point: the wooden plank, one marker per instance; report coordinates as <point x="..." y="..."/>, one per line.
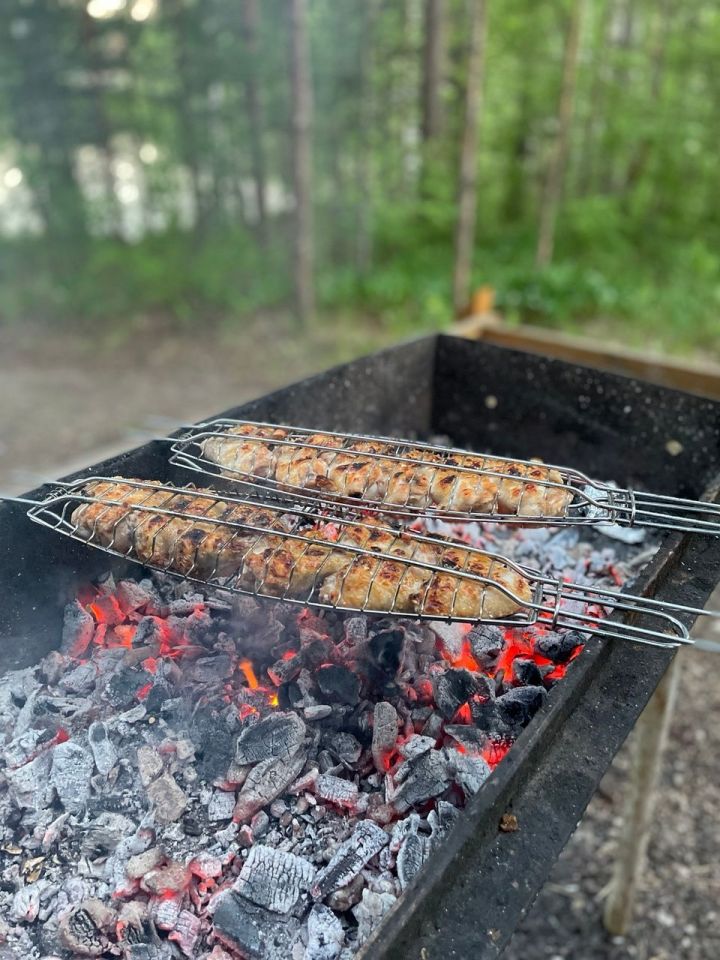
<point x="692" y="376"/>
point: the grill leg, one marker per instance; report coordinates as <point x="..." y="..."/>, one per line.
<point x="649" y="742"/>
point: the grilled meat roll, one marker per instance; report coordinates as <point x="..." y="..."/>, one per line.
<point x="268" y="552"/>
<point x="363" y="469"/>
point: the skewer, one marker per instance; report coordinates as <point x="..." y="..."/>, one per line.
<point x="548" y="606"/>
<point x="590" y="502"/>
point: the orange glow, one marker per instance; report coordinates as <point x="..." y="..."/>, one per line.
<point x="273" y="700"/>
<point x="124" y="634"/>
<point x="288" y="655"/>
<point x="246" y="711"/>
<point x="463" y="659"/>
<point x="106" y="609"/>
<point x="494" y="751"/>
<point x="247" y="669"/>
<point x="463" y="715"/>
<point x="144" y="691"/>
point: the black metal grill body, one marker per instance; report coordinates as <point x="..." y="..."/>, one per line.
<point x="470" y="898"/>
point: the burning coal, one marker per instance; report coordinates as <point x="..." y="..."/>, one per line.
<point x="190" y="776"/>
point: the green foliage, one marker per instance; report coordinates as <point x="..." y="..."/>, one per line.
<point x="171" y="274"/>
<point x="637" y="235"/>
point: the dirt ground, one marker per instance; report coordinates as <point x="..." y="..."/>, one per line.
<point x="66" y="401"/>
<point x="70" y="399"/>
<point x="677" y="914"/>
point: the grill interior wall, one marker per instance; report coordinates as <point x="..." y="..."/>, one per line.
<point x="610" y="427"/>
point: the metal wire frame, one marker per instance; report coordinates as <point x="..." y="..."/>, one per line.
<point x="548" y="606"/>
<point x="590" y="502"/>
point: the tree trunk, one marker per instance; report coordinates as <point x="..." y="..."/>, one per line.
<point x="659" y="32"/>
<point x="467" y="199"/>
<point x="103" y="128"/>
<point x="363" y="169"/>
<point x="517" y="174"/>
<point x="623" y="29"/>
<point x="555" y="180"/>
<point x="249" y="12"/>
<point x="302" y="161"/>
<point x="594" y="118"/>
<point x="433" y="68"/>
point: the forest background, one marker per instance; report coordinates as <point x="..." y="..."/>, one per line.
<point x="171" y="164"/>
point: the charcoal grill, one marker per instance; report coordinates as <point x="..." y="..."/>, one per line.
<point x="480" y="883"/>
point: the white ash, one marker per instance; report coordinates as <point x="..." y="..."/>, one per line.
<point x="154" y="805"/>
<point x="325" y="934"/>
<point x="274" y="879"/>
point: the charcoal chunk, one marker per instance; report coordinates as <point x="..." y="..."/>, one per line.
<point x="455" y="687"/>
<point x="274" y="879"/>
<point x="83" y="931"/>
<point x="470" y="772"/>
<point x="277" y="735"/>
<point x="468" y="737"/>
<point x="339" y="792"/>
<point x="370" y="912"/>
<point x="285" y="670"/>
<point x="559" y="647"/>
<point x="78" y="629"/>
<point x="168" y="799"/>
<point x="484" y="714"/>
<point x="414" y="851"/>
<point x="386" y="647"/>
<point x="486" y="644"/>
<point x="441" y="820"/>
<point x="266" y="781"/>
<point x="72" y="768"/>
<point x="415" y="745"/>
<point x="517" y="707"/>
<point x="214" y="747"/>
<point x="325" y="934"/>
<point x="428" y="776"/>
<point x="103" y="749"/>
<point x="345" y="747"/>
<point x="385" y="731"/>
<point x="251" y="930"/>
<point x="527" y="673"/>
<point x="367" y="840"/>
<point x="338" y="685"/>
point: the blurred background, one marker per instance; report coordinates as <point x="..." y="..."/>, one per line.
<point x="201" y="199"/>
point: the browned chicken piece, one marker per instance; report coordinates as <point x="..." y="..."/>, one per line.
<point x="331" y="561"/>
<point x="252" y="457"/>
<point x="134" y="523"/>
<point x="452" y="596"/>
<point x="364" y="469"/>
<point x="406" y="588"/>
<point x="376" y="585"/>
<point x="304" y="466"/>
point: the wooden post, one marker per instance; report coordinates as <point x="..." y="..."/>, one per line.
<point x="649" y="742"/>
